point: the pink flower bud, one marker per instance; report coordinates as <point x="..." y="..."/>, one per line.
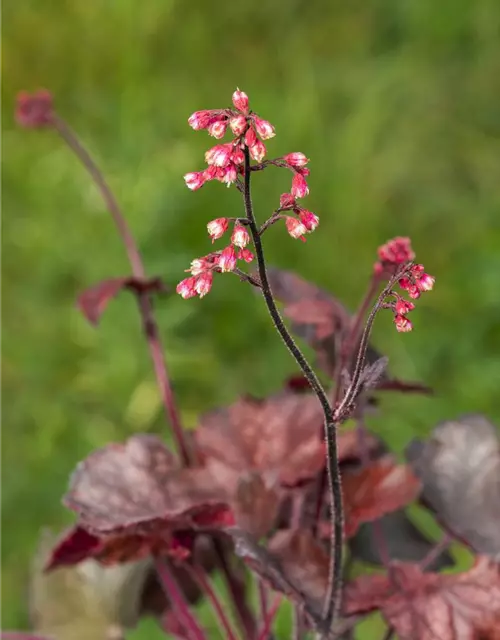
<point x="217" y="228"/>
<point x="287" y="201"/>
<point x="198" y="265"/>
<point x="211" y="173"/>
<point x="217" y="129"/>
<point x="402" y="324"/>
<point x="258" y="151"/>
<point x="403" y="306"/>
<point x="425" y="282"/>
<point x="246" y="255"/>
<point x="240" y="101"/>
<point x="195" y="180"/>
<point x="417" y="270"/>
<point x="203" y="283"/>
<point x="250" y="137"/>
<point x="228" y="175"/>
<point x="220" y="155"/>
<point x="201" y="119"/>
<point x="240" y="236"/>
<point x="413" y="291"/>
<point x="186" y="289"/>
<point x="296" y="159"/>
<point x="299" y="186"/>
<point x="238" y="156"/>
<point x="309" y="219"/>
<point x="295" y="228"/>
<point x="34" y="110"/>
<point x="264" y="128"/>
<point x="238" y="125"/>
<point x="227" y="259"/>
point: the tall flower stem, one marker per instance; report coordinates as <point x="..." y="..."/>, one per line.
<point x="149" y="324"/>
<point x="333" y="598"/>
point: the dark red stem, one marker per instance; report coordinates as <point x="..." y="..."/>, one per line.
<point x="271" y="615"/>
<point x="206" y="586"/>
<point x="178" y="602"/>
<point x="149" y="324"/>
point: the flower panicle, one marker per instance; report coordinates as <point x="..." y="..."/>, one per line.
<point x="413" y="280"/>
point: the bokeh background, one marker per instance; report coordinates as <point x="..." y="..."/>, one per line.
<point x="396" y="102"/>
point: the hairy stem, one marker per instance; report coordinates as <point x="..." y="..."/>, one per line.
<point x="354" y="386"/>
<point x="334" y="591"/>
<point x="178" y="602"/>
<point x="149" y="324"/>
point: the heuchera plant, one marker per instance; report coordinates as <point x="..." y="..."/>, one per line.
<point x="281" y="484"/>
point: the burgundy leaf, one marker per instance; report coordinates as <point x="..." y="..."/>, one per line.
<point x="432" y="606"/>
<point x="255" y="505"/>
<point x="375" y="490"/>
<point x="137" y="489"/>
<point x="460" y="471"/>
<point x="94" y="300"/>
<point x="304" y="562"/>
<point x="75" y="545"/>
<point x="278" y="437"/>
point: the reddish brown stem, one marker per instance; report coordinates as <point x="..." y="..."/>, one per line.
<point x="149" y="324"/>
<point x="237" y="588"/>
<point x="271" y="615"/>
<point x="436" y="551"/>
<point x="178" y="602"/>
<point x="206" y="585"/>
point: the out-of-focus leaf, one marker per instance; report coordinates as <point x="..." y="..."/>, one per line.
<point x="459" y="467"/>
<point x="255" y="505"/>
<point x="432" y="606"/>
<point x="87" y="600"/>
<point x="279" y="437"/>
<point x="375" y="490"/>
<point x="136" y="491"/>
<point x="402" y="540"/>
<point x="94" y="300"/>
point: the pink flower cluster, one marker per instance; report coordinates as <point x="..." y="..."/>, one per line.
<point x="223" y="261"/>
<point x="392" y="255"/>
<point x="306" y="222"/>
<point x="225" y="160"/>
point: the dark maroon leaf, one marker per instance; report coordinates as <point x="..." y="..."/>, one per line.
<point x="402" y="540"/>
<point x="279" y="437"/>
<point x="460" y="471"/>
<point x="94" y="300"/>
<point x="432" y="606"/>
<point x="137" y="489"/>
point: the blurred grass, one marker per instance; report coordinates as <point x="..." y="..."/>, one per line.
<point x="397" y="103"/>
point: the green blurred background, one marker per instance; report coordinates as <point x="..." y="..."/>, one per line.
<point x="396" y="102"/>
